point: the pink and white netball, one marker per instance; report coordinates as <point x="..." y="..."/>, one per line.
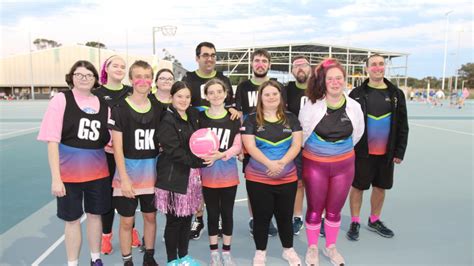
<point x="203" y="142"/>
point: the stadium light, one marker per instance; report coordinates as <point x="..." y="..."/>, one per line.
<point x="445" y="47"/>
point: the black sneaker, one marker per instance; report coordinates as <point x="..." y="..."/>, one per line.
<point x="197" y="227"/>
<point x="272" y="230"/>
<point x="149" y="260"/>
<point x="128" y="263"/>
<point x="251" y="226"/>
<point x="322" y="233"/>
<point x="380" y="229"/>
<point x="353" y="233"/>
<point x="97" y="262"/>
<point x="297" y="225"/>
<point x="142" y="248"/>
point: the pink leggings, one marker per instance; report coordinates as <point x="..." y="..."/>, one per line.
<point x="327" y="185"/>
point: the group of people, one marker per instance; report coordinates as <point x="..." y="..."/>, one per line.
<point x="114" y="147"/>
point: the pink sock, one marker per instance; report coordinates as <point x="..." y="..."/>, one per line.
<point x="312" y="233"/>
<point x="332" y="230"/>
<point x="355" y="219"/>
<point x="374" y="218"/>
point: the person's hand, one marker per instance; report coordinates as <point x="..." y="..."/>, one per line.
<point x="234" y="114"/>
<point x="127" y="188"/>
<point x="274" y="168"/>
<point x="212" y="157"/>
<point x="58" y="189"/>
<point x="397" y="160"/>
<point x="241" y="157"/>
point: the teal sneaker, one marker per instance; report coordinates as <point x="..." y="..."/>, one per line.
<point x="188" y="261"/>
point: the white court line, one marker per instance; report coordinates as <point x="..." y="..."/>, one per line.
<point x="61" y="239"/>
<point x="18" y="133"/>
<point x="443" y="129"/>
<point x="53" y="247"/>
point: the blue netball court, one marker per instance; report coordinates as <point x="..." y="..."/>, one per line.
<point x="430" y="207"/>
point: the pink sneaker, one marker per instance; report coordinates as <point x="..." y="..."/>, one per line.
<point x="259" y="258"/>
<point x="289" y="254"/>
<point x="335" y="257"/>
<point x="312" y="256"/>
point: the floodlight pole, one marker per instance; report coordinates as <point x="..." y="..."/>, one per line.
<point x="445" y="48"/>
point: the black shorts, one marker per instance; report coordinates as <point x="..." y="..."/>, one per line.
<point x="126" y="206"/>
<point x="96" y="195"/>
<point x="375" y="170"/>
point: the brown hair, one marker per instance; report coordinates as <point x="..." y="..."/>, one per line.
<point x="281" y="107"/>
<point x="215" y="81"/>
<point x="261" y="52"/>
<point x="89" y="66"/>
<point x="142" y="64"/>
<point x="317" y="82"/>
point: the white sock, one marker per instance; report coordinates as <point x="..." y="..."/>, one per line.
<point x="73" y="263"/>
<point x="95" y="256"/>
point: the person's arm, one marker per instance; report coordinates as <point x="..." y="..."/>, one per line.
<point x="125" y="183"/>
<point x="235" y="150"/>
<point x="57" y="185"/>
<point x="402" y="130"/>
<point x="171" y="145"/>
<point x="274" y="167"/>
<point x="295" y="148"/>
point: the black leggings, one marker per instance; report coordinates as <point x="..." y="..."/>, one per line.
<point x="108" y="218"/>
<point x="220" y="202"/>
<point x="266" y="201"/>
<point x="177" y="233"/>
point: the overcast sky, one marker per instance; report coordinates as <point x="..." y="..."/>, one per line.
<point x="416" y="27"/>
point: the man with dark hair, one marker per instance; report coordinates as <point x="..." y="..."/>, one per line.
<point x="296" y="99"/>
<point x="206" y="59"/>
<point x="384" y="143"/>
<point x="246" y="97"/>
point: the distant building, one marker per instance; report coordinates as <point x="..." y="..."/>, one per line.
<point x="235" y="62"/>
<point x="45" y="70"/>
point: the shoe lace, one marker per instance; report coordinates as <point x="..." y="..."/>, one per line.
<point x="354" y="226"/>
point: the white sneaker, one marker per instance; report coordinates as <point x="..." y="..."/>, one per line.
<point x="312" y="256"/>
<point x="335" y="257"/>
<point x="215" y="259"/>
<point x="260" y="258"/>
<point x="289" y="254"/>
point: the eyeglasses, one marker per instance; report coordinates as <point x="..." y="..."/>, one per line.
<point x="165" y="79"/>
<point x="82" y="76"/>
<point x="207" y="56"/>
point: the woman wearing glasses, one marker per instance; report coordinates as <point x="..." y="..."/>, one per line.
<point x="164" y="80"/>
<point x="75" y="129"/>
<point x="332" y="124"/>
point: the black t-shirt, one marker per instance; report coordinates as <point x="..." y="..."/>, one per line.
<point x="139" y="129"/>
<point x="246" y="96"/>
<point x="224" y="128"/>
<point x="378" y="102"/>
<point x="335" y="125"/>
<point x="113" y="97"/>
<point x="296" y="97"/>
<point x="155" y="101"/>
<point x="196" y="84"/>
